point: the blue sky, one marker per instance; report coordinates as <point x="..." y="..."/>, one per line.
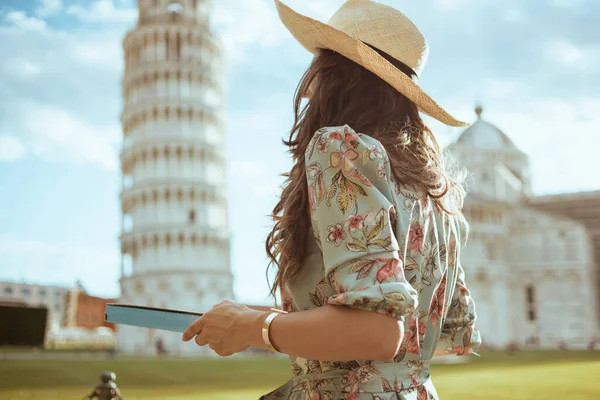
<point x="534" y="65"/>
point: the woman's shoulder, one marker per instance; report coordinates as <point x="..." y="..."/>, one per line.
<point x="360" y="151"/>
<point x="344" y="138"/>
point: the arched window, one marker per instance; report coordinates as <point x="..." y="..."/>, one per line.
<point x="175" y="10"/>
<point x="530" y="302"/>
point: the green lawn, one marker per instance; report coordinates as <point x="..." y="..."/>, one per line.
<point x="494" y="376"/>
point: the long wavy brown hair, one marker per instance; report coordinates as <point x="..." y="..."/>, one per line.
<point x="346" y="93"/>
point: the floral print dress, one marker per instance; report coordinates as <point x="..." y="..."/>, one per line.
<point x="381" y="247"/>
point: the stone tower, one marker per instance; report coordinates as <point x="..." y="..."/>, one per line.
<point x="175" y="239"/>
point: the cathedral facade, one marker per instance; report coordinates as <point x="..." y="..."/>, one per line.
<point x="530" y="264"/>
<point x="175" y="239"/>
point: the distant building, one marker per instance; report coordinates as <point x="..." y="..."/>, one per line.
<point x="86" y="311"/>
<point x="532" y="263"/>
<point x="23" y="325"/>
<point x="53" y="298"/>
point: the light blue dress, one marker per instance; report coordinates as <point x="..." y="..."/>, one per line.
<point x="377" y="246"/>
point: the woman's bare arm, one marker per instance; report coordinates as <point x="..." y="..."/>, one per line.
<point x="331" y="333"/>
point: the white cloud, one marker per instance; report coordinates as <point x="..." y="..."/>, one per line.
<point x="565" y="52"/>
<point x="450" y="5"/>
<point x="237" y="31"/>
<point x="11" y="149"/>
<point x="48" y="8"/>
<point x="99" y="51"/>
<point x="568" y="4"/>
<point x="500" y="88"/>
<point x="58" y="263"/>
<point x="103" y="11"/>
<point x="57" y="135"/>
<point x="64" y="89"/>
<point x="20" y="68"/>
<point x="573" y="56"/>
<point x="514" y="14"/>
<point x="21" y="21"/>
<point x="31" y="46"/>
<point x="320" y="10"/>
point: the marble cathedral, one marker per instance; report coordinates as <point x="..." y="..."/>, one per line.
<point x="532" y="262"/>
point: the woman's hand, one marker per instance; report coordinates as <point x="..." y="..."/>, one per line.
<point x="228" y="328"/>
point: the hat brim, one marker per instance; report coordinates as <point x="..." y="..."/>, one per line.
<point x="313" y="35"/>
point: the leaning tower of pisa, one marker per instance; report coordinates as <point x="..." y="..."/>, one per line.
<point x="175" y="238"/>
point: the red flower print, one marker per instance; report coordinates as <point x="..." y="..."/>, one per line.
<point x="414" y="380"/>
<point x="336" y="285"/>
<point x="335" y="135"/>
<point x="437" y="303"/>
<point x="416" y="328"/>
<point x="286" y="305"/>
<point x="365" y="374"/>
<point x="354" y="222"/>
<point x="422" y="394"/>
<point x="363" y="179"/>
<point x="412" y="342"/>
<point x="415" y="237"/>
<point x="336" y="234"/>
<point x="314" y="395"/>
<point x="390" y="268"/>
<point x="311" y="198"/>
<point x="352" y="392"/>
<point x="350" y="138"/>
<point x="391" y="310"/>
<point x="424" y="202"/>
<point x="352" y="377"/>
<point x="322" y="146"/>
<point x="461" y="351"/>
<point x="421" y="325"/>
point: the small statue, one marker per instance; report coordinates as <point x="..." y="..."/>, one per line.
<point x="160" y="347"/>
<point x="107" y="390"/>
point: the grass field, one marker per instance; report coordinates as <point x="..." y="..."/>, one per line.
<point x="494" y="376"/>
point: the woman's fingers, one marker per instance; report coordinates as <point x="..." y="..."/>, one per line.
<point x="192" y="330"/>
<point x="220" y="350"/>
<point x="202" y="338"/>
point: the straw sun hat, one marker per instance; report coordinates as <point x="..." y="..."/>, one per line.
<point x="361" y="22"/>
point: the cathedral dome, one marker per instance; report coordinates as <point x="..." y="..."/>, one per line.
<point x="484" y="135"/>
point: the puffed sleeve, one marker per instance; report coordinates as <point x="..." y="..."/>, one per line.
<point x="352" y="208"/>
<point x="459" y="334"/>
